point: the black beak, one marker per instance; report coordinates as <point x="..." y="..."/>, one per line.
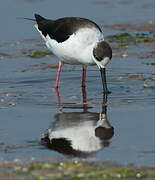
<point x="104" y="82"/>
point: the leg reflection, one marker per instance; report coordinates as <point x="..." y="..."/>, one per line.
<point x="84" y="96"/>
<point x="57" y="93"/>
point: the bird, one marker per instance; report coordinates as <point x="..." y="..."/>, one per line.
<point x="76" y="41"/>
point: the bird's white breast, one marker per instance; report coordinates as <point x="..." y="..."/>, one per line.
<point x="78" y="48"/>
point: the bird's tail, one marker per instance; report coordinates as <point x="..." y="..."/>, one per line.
<point x="39" y="18"/>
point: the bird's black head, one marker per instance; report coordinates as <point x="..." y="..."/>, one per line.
<point x="102" y="53"/>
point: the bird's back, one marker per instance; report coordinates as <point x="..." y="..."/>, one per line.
<point x="62" y="28"/>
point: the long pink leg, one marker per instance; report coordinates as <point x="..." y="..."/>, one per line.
<point x="84" y="76"/>
<point x="56" y="85"/>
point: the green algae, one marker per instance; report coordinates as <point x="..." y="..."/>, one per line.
<point x="76" y="170"/>
<point x="39" y="54"/>
<point x="29" y="53"/>
<point x="4" y="54"/>
<point x="128" y="38"/>
<point x="148" y="85"/>
<point x="150" y="63"/>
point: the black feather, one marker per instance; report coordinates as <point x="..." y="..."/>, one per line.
<point x="61" y="29"/>
<point x="39" y="18"/>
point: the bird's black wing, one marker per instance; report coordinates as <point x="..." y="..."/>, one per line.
<point x="61" y="29"/>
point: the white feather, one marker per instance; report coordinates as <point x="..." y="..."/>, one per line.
<point x="78" y="48"/>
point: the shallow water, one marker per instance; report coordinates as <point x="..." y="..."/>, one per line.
<point x="29" y="104"/>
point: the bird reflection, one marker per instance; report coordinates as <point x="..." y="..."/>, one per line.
<point x="79" y="133"/>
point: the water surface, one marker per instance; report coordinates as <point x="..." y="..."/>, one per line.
<point x="29" y="104"/>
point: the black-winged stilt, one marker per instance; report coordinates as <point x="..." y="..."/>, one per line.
<point x="76" y="41"/>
